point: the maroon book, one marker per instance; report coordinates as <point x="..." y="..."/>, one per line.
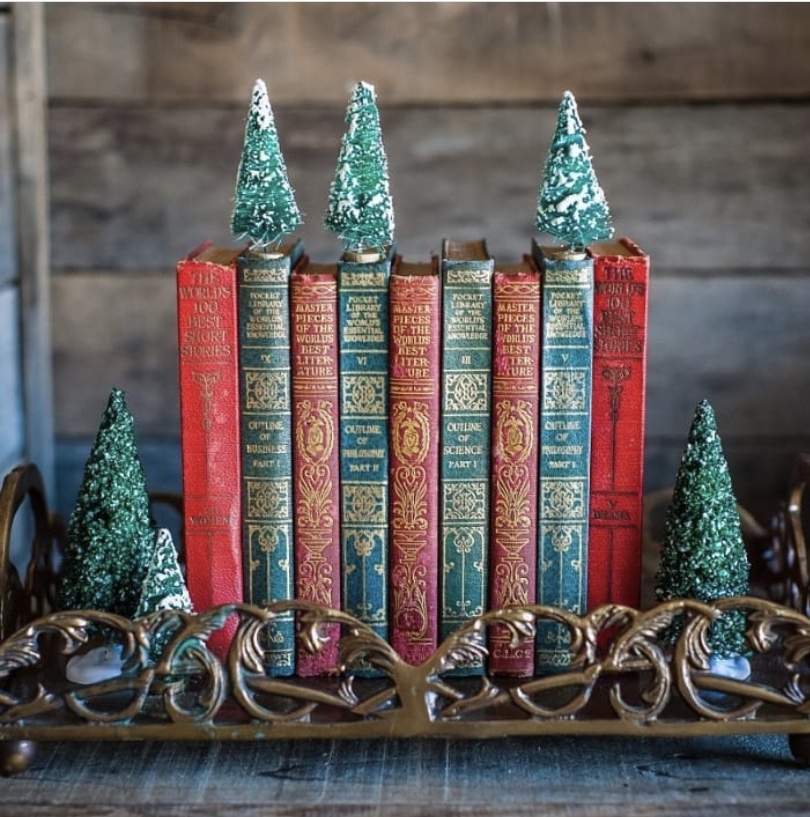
<point x="621" y="281"/>
<point x="414" y="389"/>
<point x="209" y="424"/>
<point x="316" y="452"/>
<point x="515" y="435"/>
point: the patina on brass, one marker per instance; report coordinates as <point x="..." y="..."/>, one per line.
<point x="623" y="679"/>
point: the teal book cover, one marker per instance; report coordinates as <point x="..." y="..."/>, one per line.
<point x="266" y="440"/>
<point x="467" y="271"/>
<point x="565" y="435"/>
<point x="364" y="459"/>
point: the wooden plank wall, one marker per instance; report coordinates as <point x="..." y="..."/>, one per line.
<point x="697" y="117"/>
<point x="12" y="426"/>
<point x="32" y="232"/>
<point x="26" y="428"/>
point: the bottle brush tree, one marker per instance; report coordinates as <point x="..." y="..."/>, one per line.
<point x="571" y="205"/>
<point x="359" y="208"/>
<point x="264" y="208"/>
<point x="164" y="587"/>
<point x="111" y="534"/>
<point x="703" y="555"/>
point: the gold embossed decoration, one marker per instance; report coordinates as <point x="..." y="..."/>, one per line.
<point x="467" y="392"/>
<point x="410" y="431"/>
<point x="265" y="391"/>
<point x="315" y="430"/>
<point x="565" y="390"/>
<point x="514" y="430"/>
<point x="361" y="395"/>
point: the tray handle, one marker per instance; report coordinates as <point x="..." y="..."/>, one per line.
<point x="22" y="601"/>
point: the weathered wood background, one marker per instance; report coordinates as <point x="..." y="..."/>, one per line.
<point x="12" y="427"/>
<point x="26" y="429"/>
<point x="697" y="115"/>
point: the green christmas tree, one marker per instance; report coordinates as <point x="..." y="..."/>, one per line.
<point x="360" y="209"/>
<point x="265" y="209"/>
<point x="111" y="534"/>
<point x="703" y="555"/>
<point x="163" y="586"/>
<point x="571" y="205"/>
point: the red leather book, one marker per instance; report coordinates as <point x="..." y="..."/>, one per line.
<point x="515" y="435"/>
<point x="414" y="389"/>
<point x="209" y="422"/>
<point x="621" y="281"/>
<point x="316" y="450"/>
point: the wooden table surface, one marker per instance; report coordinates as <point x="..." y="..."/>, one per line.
<point x="516" y="776"/>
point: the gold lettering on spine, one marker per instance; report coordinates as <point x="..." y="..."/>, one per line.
<point x="204" y="335"/>
<point x="315" y="336"/>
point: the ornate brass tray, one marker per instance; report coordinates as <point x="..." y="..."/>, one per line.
<point x="622" y="679"/>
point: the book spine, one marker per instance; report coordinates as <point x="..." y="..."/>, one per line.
<point x="618" y="417"/>
<point x="565" y="422"/>
<point x="316" y="464"/>
<point x="266" y="434"/>
<point x="415" y="306"/>
<point x="364" y="518"/>
<point x="515" y="434"/>
<point x="465" y="442"/>
<point x="209" y="412"/>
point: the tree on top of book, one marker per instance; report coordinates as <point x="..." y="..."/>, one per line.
<point x="264" y="209"/>
<point x="703" y="556"/>
<point x="111" y="535"/>
<point x="359" y="208"/>
<point x="571" y="206"/>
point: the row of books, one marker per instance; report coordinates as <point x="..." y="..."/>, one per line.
<point x="414" y="442"/>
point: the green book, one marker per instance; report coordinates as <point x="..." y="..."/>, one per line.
<point x="266" y="440"/>
<point x="364" y="515"/>
<point x="467" y="270"/>
<point x="565" y="452"/>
